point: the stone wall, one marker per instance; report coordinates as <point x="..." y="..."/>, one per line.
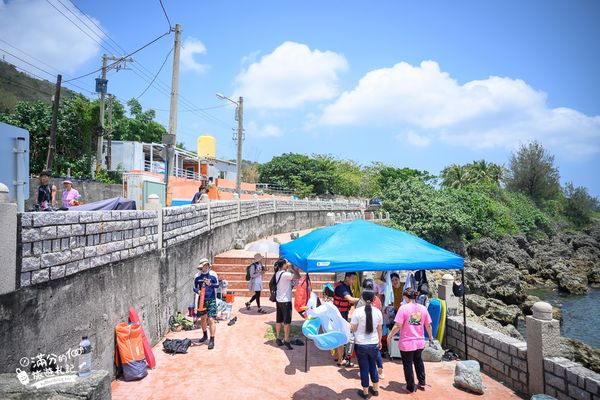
<point x="50" y="315"/>
<point x="90" y="191"/>
<point x="502" y="357"/>
<point x="565" y="379"/>
<point x="54" y="245"/>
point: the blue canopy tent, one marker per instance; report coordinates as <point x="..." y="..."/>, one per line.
<point x="365" y="246"/>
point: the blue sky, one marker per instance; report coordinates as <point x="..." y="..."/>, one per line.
<point x="417" y="84"/>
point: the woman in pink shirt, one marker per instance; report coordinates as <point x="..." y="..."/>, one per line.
<point x="70" y="196"/>
<point x="411" y="320"/>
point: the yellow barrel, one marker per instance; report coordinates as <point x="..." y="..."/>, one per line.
<point x="207" y="146"/>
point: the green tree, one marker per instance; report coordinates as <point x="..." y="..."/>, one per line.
<point x="141" y="127"/>
<point x="579" y="205"/>
<point x="454" y="176"/>
<point x="532" y="172"/>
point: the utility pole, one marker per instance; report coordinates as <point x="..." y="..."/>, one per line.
<point x="170" y="139"/>
<point x="109" y="133"/>
<point x="117" y="64"/>
<point x="240" y="140"/>
<point x="101" y="121"/>
<point x="55" y="103"/>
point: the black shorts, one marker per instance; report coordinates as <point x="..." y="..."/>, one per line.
<point x="284" y="313"/>
<point x="345" y="315"/>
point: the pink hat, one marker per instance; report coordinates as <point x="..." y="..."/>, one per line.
<point x="67" y="181"/>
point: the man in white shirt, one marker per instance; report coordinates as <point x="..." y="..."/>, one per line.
<point x="284" y="304"/>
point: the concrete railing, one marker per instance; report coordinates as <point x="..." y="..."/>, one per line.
<point x="54" y="245"/>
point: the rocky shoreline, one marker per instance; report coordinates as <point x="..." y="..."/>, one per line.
<point x="499" y="274"/>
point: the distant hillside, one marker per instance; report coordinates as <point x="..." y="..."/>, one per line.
<point x="16" y="86"/>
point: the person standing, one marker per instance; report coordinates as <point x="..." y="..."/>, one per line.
<point x="397" y="289"/>
<point x="410" y="321"/>
<point x="283" y="278"/>
<point x="70" y="196"/>
<point x="367" y="323"/>
<point x="343" y="300"/>
<point x="255" y="284"/>
<point x="369" y="284"/>
<point x="46" y="197"/>
<point x="207" y="279"/>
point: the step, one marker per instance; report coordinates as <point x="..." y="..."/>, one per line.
<point x="241" y="276"/>
<point x="246" y="293"/>
<point x="244" y="285"/>
<point x="241" y="260"/>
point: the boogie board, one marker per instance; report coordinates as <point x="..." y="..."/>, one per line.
<point x="435" y="311"/>
<point x="150" y="360"/>
<point x="442" y="326"/>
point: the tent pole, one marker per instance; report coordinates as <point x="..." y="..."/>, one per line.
<point x="305" y="338"/>
<point x="462" y="273"/>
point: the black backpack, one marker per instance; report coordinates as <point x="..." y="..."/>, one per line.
<point x="273" y="286"/>
<point x="248" y="271"/>
<point x="174" y="346"/>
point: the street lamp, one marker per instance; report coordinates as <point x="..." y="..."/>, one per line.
<point x="239" y="116"/>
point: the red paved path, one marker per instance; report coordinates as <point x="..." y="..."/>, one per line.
<point x="244" y="365"/>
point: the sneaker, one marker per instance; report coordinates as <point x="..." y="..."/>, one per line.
<point x="373" y="391"/>
<point x="279" y="342"/>
<point x="288" y="346"/>
<point x="421" y="386"/>
<point x="363" y="395"/>
<point x="211" y="343"/>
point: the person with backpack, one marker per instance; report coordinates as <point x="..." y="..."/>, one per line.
<point x="208" y="280"/>
<point x="254" y="276"/>
<point x="283" y="300"/>
<point x="343" y="300"/>
<point x="367" y="323"/>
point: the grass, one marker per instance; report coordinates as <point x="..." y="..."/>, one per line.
<point x="295" y="331"/>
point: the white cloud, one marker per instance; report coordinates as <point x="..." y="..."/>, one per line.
<point x="290" y="76"/>
<point x="494" y="112"/>
<point x="192" y="46"/>
<point x="415" y="139"/>
<point x="264" y="131"/>
<point x="36" y="28"/>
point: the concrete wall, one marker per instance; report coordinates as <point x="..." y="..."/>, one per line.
<point x="501" y="357"/>
<point x="90" y="191"/>
<point x="50" y="315"/>
<point x="565" y="379"/>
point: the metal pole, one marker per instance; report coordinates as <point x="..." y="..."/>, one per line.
<point x="19" y="182"/>
<point x="101" y="121"/>
<point x="173" y="115"/>
<point x="306" y="338"/>
<point x="240" y="140"/>
<point x="109" y="133"/>
<point x="55" y="103"/>
<point x="462" y="272"/>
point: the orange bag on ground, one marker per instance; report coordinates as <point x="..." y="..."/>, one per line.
<point x="130" y="351"/>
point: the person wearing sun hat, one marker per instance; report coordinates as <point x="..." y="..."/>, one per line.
<point x="70" y="196"/>
<point x="210" y="281"/>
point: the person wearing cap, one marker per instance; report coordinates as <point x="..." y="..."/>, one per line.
<point x="210" y="281"/>
<point x="70" y="196"/>
<point x="46" y="197"/>
<point x="257" y="271"/>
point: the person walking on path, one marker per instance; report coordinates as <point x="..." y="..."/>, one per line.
<point x="343" y="300"/>
<point x="207" y="279"/>
<point x="255" y="284"/>
<point x="410" y="321"/>
<point x="369" y="284"/>
<point x="367" y="323"/>
<point x="283" y="278"/>
<point x="70" y="196"/>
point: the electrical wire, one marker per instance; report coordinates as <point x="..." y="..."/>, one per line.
<point x="25" y="86"/>
<point x="26" y="62"/>
<point x="158" y="72"/>
<point x="166" y="16"/>
<point x="29" y="55"/>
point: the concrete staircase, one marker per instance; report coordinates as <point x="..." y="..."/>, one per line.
<point x="233" y="270"/>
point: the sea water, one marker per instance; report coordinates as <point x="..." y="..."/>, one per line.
<point x="581" y="314"/>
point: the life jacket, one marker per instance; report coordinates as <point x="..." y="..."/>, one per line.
<point x="341" y="303"/>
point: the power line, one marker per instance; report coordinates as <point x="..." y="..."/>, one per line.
<point x="24" y="86"/>
<point x="166" y="16"/>
<point x="158" y="72"/>
<point x="30" y="56"/>
<point x="26" y="62"/>
<point x="121" y="58"/>
<point x="100" y="29"/>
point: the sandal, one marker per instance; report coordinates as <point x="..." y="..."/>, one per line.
<point x="247" y="306"/>
<point x="346" y="364"/>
